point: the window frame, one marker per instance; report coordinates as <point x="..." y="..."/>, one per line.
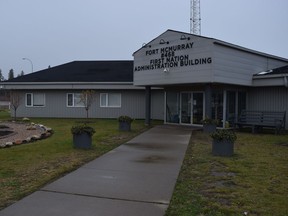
<point x="73" y="100"/>
<point x="32" y="100"/>
<point x="106" y="105"/>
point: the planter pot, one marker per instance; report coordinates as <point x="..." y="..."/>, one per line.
<point x="209" y="128"/>
<point x="222" y="148"/>
<point x="124" y="126"/>
<point x="82" y="141"/>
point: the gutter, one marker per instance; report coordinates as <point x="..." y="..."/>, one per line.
<point x="66" y="83"/>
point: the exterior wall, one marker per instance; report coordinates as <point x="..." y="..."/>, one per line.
<point x="157" y="105"/>
<point x="268" y="99"/>
<point x="229" y="64"/>
<point x="195" y="48"/>
<point x="132" y="104"/>
<point x="233" y="66"/>
<point x="270" y="80"/>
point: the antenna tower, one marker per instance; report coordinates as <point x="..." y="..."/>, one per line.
<point x="195" y="18"/>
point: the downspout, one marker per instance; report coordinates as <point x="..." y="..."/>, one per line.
<point x="285" y="82"/>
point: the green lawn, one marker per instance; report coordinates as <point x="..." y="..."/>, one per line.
<point x="25" y="168"/>
<point x="254" y="181"/>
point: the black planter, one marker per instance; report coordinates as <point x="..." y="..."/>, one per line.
<point x="209" y="128"/>
<point x="124" y="126"/>
<point x="222" y="148"/>
<point x="82" y="141"/>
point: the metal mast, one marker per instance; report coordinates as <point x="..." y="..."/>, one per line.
<point x="195" y="18"/>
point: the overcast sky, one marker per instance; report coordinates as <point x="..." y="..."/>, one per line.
<point x="55" y="32"/>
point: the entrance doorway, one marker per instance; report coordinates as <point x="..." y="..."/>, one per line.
<point x="192" y="107"/>
<point x="185" y="107"/>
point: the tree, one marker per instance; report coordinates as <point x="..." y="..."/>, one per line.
<point x="11" y="74"/>
<point x="1" y="76"/>
<point x="15" y="101"/>
<point x="21" y="74"/>
<point x="87" y="98"/>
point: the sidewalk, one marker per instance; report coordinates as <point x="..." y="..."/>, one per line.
<point x="137" y="178"/>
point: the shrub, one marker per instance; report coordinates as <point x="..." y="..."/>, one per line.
<point x="79" y="129"/>
<point x="223" y="134"/>
<point x="125" y="119"/>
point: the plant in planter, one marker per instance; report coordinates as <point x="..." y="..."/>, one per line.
<point x="209" y="124"/>
<point x="125" y="123"/>
<point x="223" y="142"/>
<point x="82" y="136"/>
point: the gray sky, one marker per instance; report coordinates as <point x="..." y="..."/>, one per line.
<point x="55" y="32"/>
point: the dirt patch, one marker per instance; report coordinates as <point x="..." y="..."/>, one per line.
<point x="5" y="133"/>
<point x="282" y="144"/>
<point x="222" y="174"/>
<point x="147" y="146"/>
<point x="154" y="159"/>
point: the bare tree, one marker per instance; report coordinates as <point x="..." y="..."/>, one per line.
<point x="15" y="101"/>
<point x="87" y="98"/>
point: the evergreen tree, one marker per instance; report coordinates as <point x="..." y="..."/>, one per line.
<point x="1" y="76"/>
<point x="21" y="74"/>
<point x="11" y="74"/>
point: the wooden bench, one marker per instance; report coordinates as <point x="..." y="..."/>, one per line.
<point x="259" y="119"/>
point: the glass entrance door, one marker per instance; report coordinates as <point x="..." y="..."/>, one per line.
<point x="198" y="108"/>
<point x="192" y="107"/>
<point x="186" y="108"/>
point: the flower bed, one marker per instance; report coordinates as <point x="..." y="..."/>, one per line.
<point x="23" y="133"/>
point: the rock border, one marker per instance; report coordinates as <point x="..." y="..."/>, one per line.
<point x="46" y="132"/>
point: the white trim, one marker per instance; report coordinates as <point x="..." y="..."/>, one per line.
<point x="224" y="108"/>
<point x="165" y="107"/>
<point x="73" y="101"/>
<point x="72" y="86"/>
<point x="68" y="83"/>
<point x="32" y="100"/>
<point x="107" y="100"/>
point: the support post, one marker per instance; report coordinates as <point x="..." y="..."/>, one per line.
<point x="208" y="101"/>
<point x="148" y="105"/>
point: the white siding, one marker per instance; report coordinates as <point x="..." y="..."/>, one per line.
<point x="268" y="99"/>
<point x="132" y="104"/>
<point x="233" y="66"/>
<point x="157" y="105"/>
<point x="182" y="74"/>
<point x="230" y="64"/>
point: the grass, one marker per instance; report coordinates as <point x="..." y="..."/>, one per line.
<point x="27" y="167"/>
<point x="254" y="181"/>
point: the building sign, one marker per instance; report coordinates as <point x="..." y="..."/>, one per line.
<point x="169" y="57"/>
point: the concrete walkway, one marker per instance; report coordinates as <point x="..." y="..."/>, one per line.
<point x="137" y="178"/>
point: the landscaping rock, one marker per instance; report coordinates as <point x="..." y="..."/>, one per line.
<point x="18" y="142"/>
<point x="36" y="137"/>
<point x="9" y="144"/>
<point x="31" y="127"/>
<point x="28" y="139"/>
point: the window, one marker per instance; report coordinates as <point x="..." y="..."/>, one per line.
<point x="74" y="100"/>
<point x="110" y="100"/>
<point x="35" y="99"/>
<point x="172" y="107"/>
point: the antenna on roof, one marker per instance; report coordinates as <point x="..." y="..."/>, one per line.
<point x="195" y="18"/>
